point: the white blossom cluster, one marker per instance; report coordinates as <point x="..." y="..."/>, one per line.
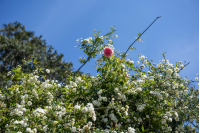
<point x="110" y="102"/>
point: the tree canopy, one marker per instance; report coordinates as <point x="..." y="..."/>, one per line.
<point x="16" y="43"/>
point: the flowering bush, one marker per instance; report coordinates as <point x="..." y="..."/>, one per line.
<point x="114" y="101"/>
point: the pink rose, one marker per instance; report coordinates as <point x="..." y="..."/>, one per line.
<point x="108" y="52"/>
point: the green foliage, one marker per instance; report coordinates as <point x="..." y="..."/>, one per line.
<point x="16" y="44"/>
<point x="153" y="101"/>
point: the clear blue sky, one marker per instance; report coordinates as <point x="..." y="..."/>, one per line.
<point x="61" y="22"/>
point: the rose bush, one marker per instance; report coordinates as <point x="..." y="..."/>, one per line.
<point x="114" y="101"/>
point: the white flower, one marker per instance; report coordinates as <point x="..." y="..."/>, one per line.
<point x="185" y="91"/>
<point x="87" y="40"/>
<point x="163" y="121"/>
<point x="45" y="128"/>
<point x="74" y="90"/>
<point x="196" y="78"/>
<point x="119" y="95"/>
<point x="142" y="57"/>
<point x="140" y="119"/>
<point x="77" y="107"/>
<point x="105" y="99"/>
<point x="55" y="122"/>
<point x="170" y="65"/>
<point x="19" y="113"/>
<point x="100" y="98"/>
<point x="145" y="61"/>
<point x="73" y="129"/>
<point x="142" y="66"/>
<point x="139" y="89"/>
<point x="84" y="109"/>
<point x="140" y="107"/>
<point x="34" y="130"/>
<point x="16" y="89"/>
<point x="66" y="125"/>
<point x="168" y="114"/>
<point x="170" y="71"/>
<point x="126" y="113"/>
<point x="9" y="73"/>
<point x="105" y="120"/>
<point x="109" y="41"/>
<point x="101" y="37"/>
<point x="28" y="130"/>
<point x="116" y="90"/>
<point x="176" y="118"/>
<point x="182" y="66"/>
<point x="163" y="60"/>
<point x="138" y="62"/>
<point x="16" y="122"/>
<point x="119" y="125"/>
<point x="116" y="36"/>
<point x="176" y="85"/>
<point x="74" y="84"/>
<point x="144" y="76"/>
<point x="106" y="131"/>
<point x="96" y="103"/>
<point x="176" y="69"/>
<point x="47" y="70"/>
<point x="99" y="92"/>
<point x="170" y="119"/>
<point x="77" y="40"/>
<point x="94" y="118"/>
<point x="131" y="130"/>
<point x="29" y="103"/>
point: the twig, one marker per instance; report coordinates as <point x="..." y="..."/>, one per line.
<point x="140" y="35"/>
<point x="88" y="57"/>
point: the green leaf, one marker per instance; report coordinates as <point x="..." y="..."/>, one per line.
<point x="98" y="69"/>
<point x="13" y="132"/>
<point x="168" y="103"/>
<point x="142" y="129"/>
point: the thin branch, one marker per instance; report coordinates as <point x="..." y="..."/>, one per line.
<point x="140" y="35"/>
<point x="85" y="62"/>
<point x="184" y="66"/>
<point x="88" y="56"/>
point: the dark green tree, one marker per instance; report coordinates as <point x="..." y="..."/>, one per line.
<point x="17" y="44"/>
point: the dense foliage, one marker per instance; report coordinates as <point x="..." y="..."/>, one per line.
<point x="158" y="100"/>
<point x="16" y="44"/>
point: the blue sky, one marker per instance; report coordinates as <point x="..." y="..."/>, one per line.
<point x="61" y="22"/>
